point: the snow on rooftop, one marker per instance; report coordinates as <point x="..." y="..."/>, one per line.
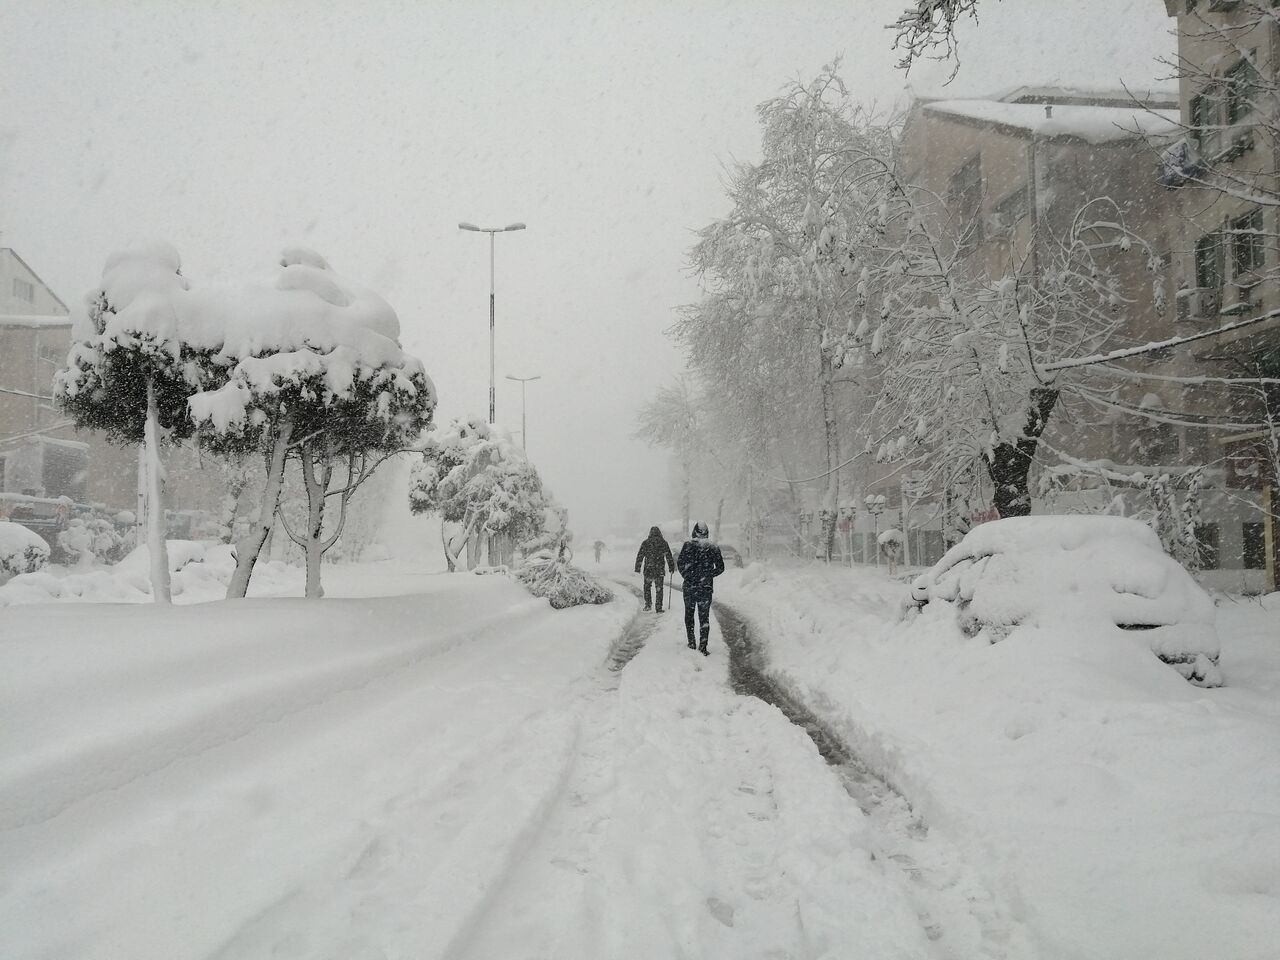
<point x="33" y="320"/>
<point x="1094" y="124"/>
<point x="1089" y="46"/>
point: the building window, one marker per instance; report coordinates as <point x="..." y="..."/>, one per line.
<point x="1209" y="257"/>
<point x="24" y="290"/>
<point x="1247" y="252"/>
<point x="1254" y="550"/>
<point x="1009" y="210"/>
<point x="1207" y="546"/>
<point x="1204" y="121"/>
<point x="1242" y="89"/>
<point x="965" y="194"/>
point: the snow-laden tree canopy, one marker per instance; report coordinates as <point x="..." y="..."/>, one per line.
<point x="301" y="364"/>
<point x="473" y="475"/>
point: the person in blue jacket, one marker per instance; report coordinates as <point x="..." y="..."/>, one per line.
<point x="699" y="563"/>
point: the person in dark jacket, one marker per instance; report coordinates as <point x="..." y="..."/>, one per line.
<point x="654" y="560"/>
<point x="700" y="563"/>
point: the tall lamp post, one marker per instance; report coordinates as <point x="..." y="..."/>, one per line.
<point x="491" y="231"/>
<point x="876" y="503"/>
<point x="524" y="428"/>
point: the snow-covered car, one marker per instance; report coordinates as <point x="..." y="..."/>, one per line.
<point x="732" y="558"/>
<point x="1090" y="572"/>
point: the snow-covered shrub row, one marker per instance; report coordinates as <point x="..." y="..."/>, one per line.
<point x="1105" y="574"/>
<point x="21" y="550"/>
<point x="564" y="585"/>
<point x="198" y="573"/>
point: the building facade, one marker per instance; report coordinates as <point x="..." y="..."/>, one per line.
<point x="1224" y="177"/>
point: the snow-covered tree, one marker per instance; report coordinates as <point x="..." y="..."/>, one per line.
<point x="311" y="368"/>
<point x="474" y="477"/>
<point x="131" y="370"/>
<point x="927" y="29"/>
<point x="672" y="420"/>
<point x="780" y="271"/>
<point x="965" y="358"/>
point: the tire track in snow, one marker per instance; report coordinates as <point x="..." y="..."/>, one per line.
<point x="953" y="903"/>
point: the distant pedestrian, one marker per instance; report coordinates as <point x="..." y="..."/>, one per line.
<point x="599" y="548"/>
<point x="700" y="563"/>
<point x="654" y="561"/>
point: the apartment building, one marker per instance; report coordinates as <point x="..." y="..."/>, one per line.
<point x="1014" y="170"/>
<point x="1224" y="178"/>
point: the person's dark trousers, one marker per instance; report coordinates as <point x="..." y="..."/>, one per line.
<point x="703" y="605"/>
<point x="650" y="582"/>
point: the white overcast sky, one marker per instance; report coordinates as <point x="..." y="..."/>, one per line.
<point x="367" y="131"/>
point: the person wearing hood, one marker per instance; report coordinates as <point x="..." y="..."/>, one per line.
<point x="654" y="560"/>
<point x="700" y="563"/>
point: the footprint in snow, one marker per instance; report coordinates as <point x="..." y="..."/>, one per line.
<point x="720" y="910"/>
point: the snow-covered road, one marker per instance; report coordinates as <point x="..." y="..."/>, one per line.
<point x="456" y="772"/>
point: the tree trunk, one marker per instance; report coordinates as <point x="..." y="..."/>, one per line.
<point x="832" y="436"/>
<point x="686" y="495"/>
<point x="448" y="554"/>
<point x="250" y="545"/>
<point x="156" y="539"/>
<point x="1010" y="463"/>
<point x="312" y="546"/>
<point x="715" y="532"/>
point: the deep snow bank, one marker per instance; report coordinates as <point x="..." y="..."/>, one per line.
<point x="1106" y="799"/>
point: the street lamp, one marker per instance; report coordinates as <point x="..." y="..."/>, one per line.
<point x="524" y="430"/>
<point x="876" y="503"/>
<point x="491" y="231"/>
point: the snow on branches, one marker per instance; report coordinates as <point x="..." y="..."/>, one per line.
<point x="473" y="476"/>
<point x="302" y="365"/>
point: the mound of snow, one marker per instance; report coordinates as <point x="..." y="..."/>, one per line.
<point x="200" y="574"/>
<point x="181" y="552"/>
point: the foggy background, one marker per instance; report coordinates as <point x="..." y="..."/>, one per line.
<point x="233" y="129"/>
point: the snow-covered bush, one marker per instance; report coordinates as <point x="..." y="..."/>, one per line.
<point x="473" y="476"/>
<point x="89" y="540"/>
<point x="21" y="550"/>
<point x="1105" y="575"/>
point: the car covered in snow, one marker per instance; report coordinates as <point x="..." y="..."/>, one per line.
<point x="732" y="558"/>
<point x="1087" y="571"/>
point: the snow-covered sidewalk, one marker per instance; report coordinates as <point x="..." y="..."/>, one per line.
<point x="1119" y="811"/>
<point x="698" y="823"/>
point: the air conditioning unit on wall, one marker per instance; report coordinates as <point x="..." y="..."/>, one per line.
<point x="1199" y="303"/>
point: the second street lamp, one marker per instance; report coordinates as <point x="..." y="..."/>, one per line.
<point x="524" y="429"/>
<point x="491" y="231"/>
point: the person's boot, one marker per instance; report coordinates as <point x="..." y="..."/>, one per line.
<point x="702" y="649"/>
<point x="692" y="645"/>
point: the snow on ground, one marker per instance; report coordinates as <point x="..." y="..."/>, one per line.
<point x="417" y="766"/>
<point x="1120" y="811"/>
<point x="199" y="574"/>
<point x="176" y="781"/>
